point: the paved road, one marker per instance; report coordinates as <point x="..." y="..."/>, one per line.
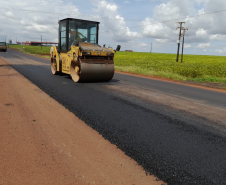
<point x="166" y="145"/>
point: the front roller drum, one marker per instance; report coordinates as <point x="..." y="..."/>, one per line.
<point x="92" y="71"/>
<point x="54" y="66"/>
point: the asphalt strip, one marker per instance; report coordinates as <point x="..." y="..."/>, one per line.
<point x="44" y="143"/>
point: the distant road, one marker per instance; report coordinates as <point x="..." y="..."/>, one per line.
<point x="175" y="132"/>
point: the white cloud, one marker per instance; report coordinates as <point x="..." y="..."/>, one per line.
<point x="155" y="29"/>
<point x="116" y="26"/>
<point x="166" y="11"/>
<point x="142" y="45"/>
<point x="162" y="40"/>
<point x="111" y="7"/>
<point x="201" y="33"/>
<point x="104" y="8"/>
<point x="203" y="45"/>
<point x="187" y="46"/>
<point x="173" y="9"/>
<point x="218" y="37"/>
<point x="9" y="14"/>
<point x="30" y="25"/>
<point x="201" y="29"/>
<point x="220" y="51"/>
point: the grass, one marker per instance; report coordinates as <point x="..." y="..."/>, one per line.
<point x="198" y="68"/>
<point x="194" y="68"/>
<point x="36" y="50"/>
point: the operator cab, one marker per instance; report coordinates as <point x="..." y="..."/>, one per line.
<point x="72" y="31"/>
<point x="2" y="43"/>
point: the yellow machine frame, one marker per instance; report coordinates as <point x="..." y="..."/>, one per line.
<point x="82" y="58"/>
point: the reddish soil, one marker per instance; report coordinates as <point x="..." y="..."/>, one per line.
<point x="43" y="143"/>
<point x="45" y="54"/>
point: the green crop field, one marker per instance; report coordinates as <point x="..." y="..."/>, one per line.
<point x="200" y="68"/>
<point x="194" y="67"/>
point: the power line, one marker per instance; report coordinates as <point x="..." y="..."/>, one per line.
<point x="211" y="46"/>
<point x="37" y="11"/>
<point x="157" y="22"/>
<point x="26" y="10"/>
<point x="98" y="17"/>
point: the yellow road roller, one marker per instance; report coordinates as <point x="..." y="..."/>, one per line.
<point x="78" y="53"/>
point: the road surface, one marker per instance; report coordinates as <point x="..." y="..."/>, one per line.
<point x="174" y="131"/>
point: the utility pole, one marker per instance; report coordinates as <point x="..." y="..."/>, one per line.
<point x="178" y="49"/>
<point x="41" y="42"/>
<point x="184" y="30"/>
<point x="151" y="48"/>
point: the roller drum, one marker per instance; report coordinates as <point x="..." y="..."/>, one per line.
<point x="94" y="71"/>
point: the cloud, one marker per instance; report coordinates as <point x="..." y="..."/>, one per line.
<point x="187" y="46"/>
<point x="201" y="33"/>
<point x="113" y="23"/>
<point x="115" y="28"/>
<point x="109" y="6"/>
<point x="142" y="45"/>
<point x="9" y="14"/>
<point x="173" y="9"/>
<point x="161" y="40"/>
<point x="203" y="45"/>
<point x="218" y="37"/>
<point x="28" y="20"/>
<point x="220" y="51"/>
<point x="200" y="28"/>
<point x="153" y="29"/>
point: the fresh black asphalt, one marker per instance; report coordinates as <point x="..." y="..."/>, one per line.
<point x="166" y="146"/>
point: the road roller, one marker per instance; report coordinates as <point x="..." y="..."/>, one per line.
<point x="3" y="46"/>
<point x="79" y="54"/>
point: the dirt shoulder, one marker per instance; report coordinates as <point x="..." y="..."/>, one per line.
<point x="44" y="143"/>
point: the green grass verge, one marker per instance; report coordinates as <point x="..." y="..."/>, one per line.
<point x="32" y="49"/>
<point x="199" y="68"/>
<point x="194" y="68"/>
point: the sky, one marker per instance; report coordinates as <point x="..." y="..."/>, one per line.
<point x="133" y="24"/>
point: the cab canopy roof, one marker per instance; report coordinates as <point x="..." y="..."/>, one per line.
<point x="80" y="20"/>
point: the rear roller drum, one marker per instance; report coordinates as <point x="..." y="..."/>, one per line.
<point x="75" y="72"/>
